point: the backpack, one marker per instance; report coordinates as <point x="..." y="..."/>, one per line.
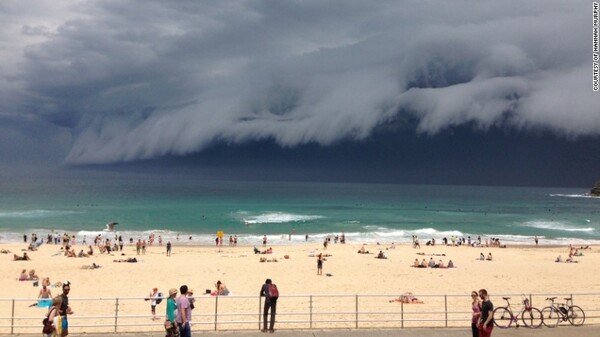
<point x="159" y="298"/>
<point x="273" y="292"/>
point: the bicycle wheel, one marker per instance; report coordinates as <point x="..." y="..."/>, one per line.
<point x="532" y="318"/>
<point x="502" y="317"/>
<point x="575" y="315"/>
<point x="550" y="317"/>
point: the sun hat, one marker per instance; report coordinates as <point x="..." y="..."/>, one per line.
<point x="172" y="291"/>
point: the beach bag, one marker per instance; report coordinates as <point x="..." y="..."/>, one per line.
<point x="160" y="298"/>
<point x="273" y="292"/>
<point x="48" y="328"/>
<point x="171" y="330"/>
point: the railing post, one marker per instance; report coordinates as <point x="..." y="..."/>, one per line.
<point x="402" y="313"/>
<point x="12" y="318"/>
<point x="116" y="313"/>
<point x="259" y="307"/>
<point x="357" y="311"/>
<point x="216" y="310"/>
<point x="446" y="309"/>
<point x="310" y="308"/>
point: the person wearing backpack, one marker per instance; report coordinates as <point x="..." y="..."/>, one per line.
<point x="271" y="294"/>
<point x="50" y="321"/>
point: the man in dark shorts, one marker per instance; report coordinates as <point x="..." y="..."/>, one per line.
<point x="65" y="309"/>
<point x="270" y="303"/>
<point x="486" y="321"/>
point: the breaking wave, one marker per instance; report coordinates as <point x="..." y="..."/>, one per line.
<point x="35" y="213"/>
<point x="586" y="196"/>
<point x="556" y="226"/>
<point x="277" y="217"/>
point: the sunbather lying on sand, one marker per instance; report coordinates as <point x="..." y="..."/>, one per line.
<point x="92" y="266"/>
<point x="408" y="298"/>
<point x="25" y="257"/>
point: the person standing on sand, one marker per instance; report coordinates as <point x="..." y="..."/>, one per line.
<point x="320" y="264"/>
<point x="44" y="293"/>
<point x="271" y="294"/>
<point x="168" y="248"/>
<point x="486" y="321"/>
<point x="536" y="240"/>
<point x="184" y="312"/>
<point x="153" y="297"/>
<point x="264" y="240"/>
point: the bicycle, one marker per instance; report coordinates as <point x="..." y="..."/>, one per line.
<point x="530" y="316"/>
<point x="556" y="313"/>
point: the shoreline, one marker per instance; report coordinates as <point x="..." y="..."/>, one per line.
<point x="314" y="243"/>
<point x="206" y="240"/>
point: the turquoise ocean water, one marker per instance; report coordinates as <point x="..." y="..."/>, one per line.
<point x="364" y="212"/>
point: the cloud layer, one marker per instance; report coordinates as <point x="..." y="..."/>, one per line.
<point x="135" y="80"/>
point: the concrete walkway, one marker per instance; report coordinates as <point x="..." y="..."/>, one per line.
<point x="584" y="331"/>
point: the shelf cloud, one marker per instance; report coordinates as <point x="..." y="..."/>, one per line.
<point x="143" y="79"/>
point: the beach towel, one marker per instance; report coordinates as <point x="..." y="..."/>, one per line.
<point x="45" y="303"/>
<point x="58" y="325"/>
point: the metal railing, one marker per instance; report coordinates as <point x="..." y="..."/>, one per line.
<point x="293" y="312"/>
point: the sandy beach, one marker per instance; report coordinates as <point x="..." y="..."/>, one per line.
<point x="514" y="270"/>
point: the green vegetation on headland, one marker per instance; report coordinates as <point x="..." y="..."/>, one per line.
<point x="596" y="190"/>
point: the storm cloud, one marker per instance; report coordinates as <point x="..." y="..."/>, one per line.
<point x="135" y="80"/>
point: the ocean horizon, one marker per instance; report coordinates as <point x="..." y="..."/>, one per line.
<point x="178" y="209"/>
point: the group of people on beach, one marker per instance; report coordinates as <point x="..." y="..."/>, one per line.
<point x="432" y="264"/>
<point x="484" y="258"/>
<point x="70" y="252"/>
<point x="179" y="308"/>
<point x="573" y="251"/>
<point x="461" y="241"/>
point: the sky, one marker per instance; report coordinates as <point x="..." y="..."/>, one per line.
<point x="456" y="92"/>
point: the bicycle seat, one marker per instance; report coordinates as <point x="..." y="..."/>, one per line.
<point x="568" y="298"/>
<point x="506" y="298"/>
<point x="550" y="298"/>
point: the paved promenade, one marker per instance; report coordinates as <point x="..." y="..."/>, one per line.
<point x="584" y="331"/>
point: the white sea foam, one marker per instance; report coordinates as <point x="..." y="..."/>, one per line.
<point x="556" y="226"/>
<point x="278" y="217"/>
<point x="435" y="233"/>
<point x="34" y="213"/>
<point x="586" y="196"/>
